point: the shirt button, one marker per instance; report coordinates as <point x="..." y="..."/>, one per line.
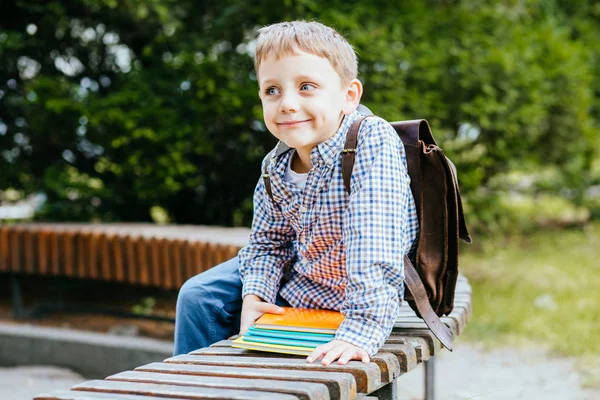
<point x="304" y="209"/>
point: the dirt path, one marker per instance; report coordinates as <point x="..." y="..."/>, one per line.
<point x="469" y="373"/>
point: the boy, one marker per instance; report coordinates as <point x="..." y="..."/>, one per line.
<point x="344" y="252"/>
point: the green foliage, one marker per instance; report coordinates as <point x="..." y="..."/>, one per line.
<point x="116" y="109"/>
<point x="145" y="307"/>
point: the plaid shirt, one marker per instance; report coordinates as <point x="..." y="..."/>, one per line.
<point x="345" y="252"/>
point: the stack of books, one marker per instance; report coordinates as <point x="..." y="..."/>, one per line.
<point x="298" y="331"/>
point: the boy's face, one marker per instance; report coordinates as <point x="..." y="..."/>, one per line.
<point x="303" y="99"/>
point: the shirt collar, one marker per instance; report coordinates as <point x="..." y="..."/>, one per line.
<point x="327" y="151"/>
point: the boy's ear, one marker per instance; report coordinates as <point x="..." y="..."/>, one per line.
<point x="353" y="94"/>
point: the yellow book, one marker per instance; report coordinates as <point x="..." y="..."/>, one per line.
<point x="274" y="348"/>
<point x="302" y="320"/>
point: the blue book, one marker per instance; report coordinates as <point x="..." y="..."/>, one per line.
<point x="315" y="337"/>
<point x="287" y="342"/>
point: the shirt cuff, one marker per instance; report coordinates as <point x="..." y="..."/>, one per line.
<point x="362" y="333"/>
<point x="260" y="286"/>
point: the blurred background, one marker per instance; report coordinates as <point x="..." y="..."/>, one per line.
<point x="147" y="111"/>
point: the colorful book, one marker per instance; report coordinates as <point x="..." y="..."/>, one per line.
<point x="302" y="320"/>
<point x="316" y="337"/>
<point x="273" y="348"/>
<point x="298" y="331"/>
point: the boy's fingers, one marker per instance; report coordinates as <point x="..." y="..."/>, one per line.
<point x="244" y="328"/>
<point x="348" y="355"/>
<point x="319" y="351"/>
<point x="333" y="354"/>
<point x="269" y="308"/>
<point x="365" y="356"/>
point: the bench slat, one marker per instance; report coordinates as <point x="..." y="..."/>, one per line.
<point x="367" y="376"/>
<point x="79" y="395"/>
<point x="177" y="391"/>
<point x="405" y="354"/>
<point x="304" y="390"/>
<point x="420" y="345"/>
<point x="389" y="364"/>
<point x="432" y="342"/>
<point x="340" y="385"/>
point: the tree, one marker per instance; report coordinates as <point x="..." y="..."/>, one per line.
<point x="112" y="108"/>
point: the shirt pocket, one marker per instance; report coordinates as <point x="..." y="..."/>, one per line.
<point x="328" y="227"/>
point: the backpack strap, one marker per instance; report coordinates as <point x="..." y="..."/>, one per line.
<point x="279" y="150"/>
<point x="411" y="276"/>
<point x="349" y="152"/>
<point x="267" y="178"/>
<point x="415" y="286"/>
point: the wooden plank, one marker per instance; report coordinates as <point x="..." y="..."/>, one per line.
<point x="200" y="257"/>
<point x="419" y="344"/>
<point x="177" y="391"/>
<point x="404" y="352"/>
<point x="143" y="265"/>
<point x="178" y="259"/>
<point x="154" y="262"/>
<point x="388" y="364"/>
<point x="104" y="257"/>
<point x="55" y="259"/>
<point x="29" y="250"/>
<point x="190" y="258"/>
<point x="68" y="253"/>
<point x="118" y="257"/>
<point x="432" y="342"/>
<point x="303" y="390"/>
<point x="80" y="395"/>
<point x="15" y="249"/>
<point x="367" y="376"/>
<point x="81" y="249"/>
<point x="131" y="273"/>
<point x="165" y="264"/>
<point x="340" y="385"/>
<point x="91" y="255"/>
<point x="211" y="259"/>
<point x="4" y="260"/>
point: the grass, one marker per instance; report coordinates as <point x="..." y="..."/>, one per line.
<point x="542" y="289"/>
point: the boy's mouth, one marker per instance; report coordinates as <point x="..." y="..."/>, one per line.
<point x="291" y="123"/>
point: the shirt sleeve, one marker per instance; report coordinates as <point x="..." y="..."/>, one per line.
<point x="375" y="234"/>
<point x="269" y="250"/>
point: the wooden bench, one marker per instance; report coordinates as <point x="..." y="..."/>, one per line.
<point x="161" y="256"/>
<point x="222" y="372"/>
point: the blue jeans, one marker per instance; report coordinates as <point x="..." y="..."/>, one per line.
<point x="209" y="307"/>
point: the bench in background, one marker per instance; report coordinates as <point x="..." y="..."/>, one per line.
<point x="138" y="254"/>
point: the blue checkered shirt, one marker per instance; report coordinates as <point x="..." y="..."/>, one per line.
<point x="345" y="251"/>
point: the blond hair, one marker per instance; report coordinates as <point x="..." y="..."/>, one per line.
<point x="310" y="37"/>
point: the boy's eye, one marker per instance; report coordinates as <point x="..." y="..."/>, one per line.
<point x="307" y="86"/>
<point x="271" y="91"/>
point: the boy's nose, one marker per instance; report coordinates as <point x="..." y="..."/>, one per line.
<point x="289" y="104"/>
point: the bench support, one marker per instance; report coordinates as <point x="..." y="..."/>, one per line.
<point x="429" y="378"/>
<point x="387" y="392"/>
<point x="17" y="298"/>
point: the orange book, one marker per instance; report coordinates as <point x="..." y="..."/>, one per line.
<point x="302" y="320"/>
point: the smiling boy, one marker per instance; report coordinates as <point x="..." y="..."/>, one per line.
<point x="345" y="252"/>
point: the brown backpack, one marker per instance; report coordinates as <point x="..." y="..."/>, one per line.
<point x="432" y="279"/>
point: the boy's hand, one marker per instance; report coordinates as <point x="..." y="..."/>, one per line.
<point x="338" y="350"/>
<point x="253" y="308"/>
